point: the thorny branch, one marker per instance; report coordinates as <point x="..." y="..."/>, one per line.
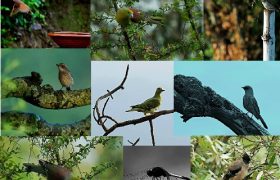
<point x="101" y="117"/>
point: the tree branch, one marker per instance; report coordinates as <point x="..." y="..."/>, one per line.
<point x="191" y="99"/>
<point x="41" y="127"/>
<point x="30" y="89"/>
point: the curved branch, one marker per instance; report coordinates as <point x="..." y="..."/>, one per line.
<point x="191" y="99"/>
<point x="31" y="90"/>
<point x="137" y="121"/>
<point x="41" y="127"/>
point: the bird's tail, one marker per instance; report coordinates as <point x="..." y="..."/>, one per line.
<point x="263" y="122"/>
<point x="33" y="168"/>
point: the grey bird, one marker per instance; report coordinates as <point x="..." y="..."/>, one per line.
<point x="272" y="5"/>
<point x="64" y="76"/>
<point x="251" y="104"/>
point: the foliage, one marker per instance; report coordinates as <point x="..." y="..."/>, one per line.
<point x="11" y="25"/>
<point x="211" y="156"/>
<point x="175" y="38"/>
<point x="69" y="151"/>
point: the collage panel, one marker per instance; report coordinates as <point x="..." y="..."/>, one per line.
<point x="233" y="98"/>
<point x="242" y="29"/>
<point x="134" y="100"/>
<point x="235" y="157"/>
<point x="160" y="162"/>
<point x="147" y="30"/>
<point x="45" y="92"/>
<point x="45" y="23"/>
<point x="61" y="158"/>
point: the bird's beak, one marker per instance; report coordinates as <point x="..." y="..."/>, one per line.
<point x="57" y="65"/>
<point x="162" y="90"/>
<point x="243" y="87"/>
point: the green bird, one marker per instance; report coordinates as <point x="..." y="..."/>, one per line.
<point x="150" y="105"/>
<point x="123" y="16"/>
<point x="126" y="15"/>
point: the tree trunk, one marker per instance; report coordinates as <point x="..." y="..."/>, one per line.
<point x="268" y="36"/>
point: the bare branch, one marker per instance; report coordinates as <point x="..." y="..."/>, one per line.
<point x="134" y="144"/>
<point x="152" y="132"/>
<point x="191" y="99"/>
<point x="137" y="121"/>
<point x="29" y="88"/>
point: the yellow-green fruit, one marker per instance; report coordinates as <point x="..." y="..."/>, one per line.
<point x="123" y="16"/>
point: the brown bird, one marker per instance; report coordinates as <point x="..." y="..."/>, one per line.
<point x="49" y="170"/>
<point x="19" y="6"/>
<point x="65" y="76"/>
<point x="238" y="170"/>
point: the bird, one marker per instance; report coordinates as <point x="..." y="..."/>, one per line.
<point x="158" y="172"/>
<point x="19" y="6"/>
<point x="251" y="104"/>
<point x="49" y="170"/>
<point x="238" y="170"/>
<point x="126" y="15"/>
<point x="272" y="5"/>
<point x="123" y="16"/>
<point x="150" y="105"/>
<point x="64" y="76"/>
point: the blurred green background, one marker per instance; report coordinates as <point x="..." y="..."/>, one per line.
<point x="21" y="62"/>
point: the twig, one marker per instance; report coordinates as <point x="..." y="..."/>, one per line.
<point x="152" y="132"/>
<point x="202" y="47"/>
<point x="133" y="144"/>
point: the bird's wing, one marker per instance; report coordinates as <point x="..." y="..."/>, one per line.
<point x="236" y="166"/>
<point x="256" y="107"/>
<point x="149" y="104"/>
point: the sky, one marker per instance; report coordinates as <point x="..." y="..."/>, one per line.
<point x="21" y="62"/>
<point x="226" y="79"/>
<point x="143" y="79"/>
<point x="139" y="159"/>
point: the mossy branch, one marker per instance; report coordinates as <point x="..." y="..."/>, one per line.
<point x="30" y="89"/>
<point x="42" y="127"/>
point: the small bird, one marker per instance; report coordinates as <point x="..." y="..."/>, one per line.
<point x="158" y="172"/>
<point x="65" y="76"/>
<point x="126" y="15"/>
<point x="19" y="6"/>
<point x="150" y="105"/>
<point x="123" y="16"/>
<point x="49" y="170"/>
<point x="251" y="104"/>
<point x="272" y="5"/>
<point x="238" y="170"/>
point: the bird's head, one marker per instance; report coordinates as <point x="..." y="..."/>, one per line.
<point x="62" y="67"/>
<point x="247" y="88"/>
<point x="159" y="90"/>
<point x="246" y="158"/>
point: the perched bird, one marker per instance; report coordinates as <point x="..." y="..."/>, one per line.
<point x="272" y="5"/>
<point x="65" y="76"/>
<point x="19" y="6"/>
<point x="238" y="170"/>
<point x="123" y="16"/>
<point x="150" y="105"/>
<point x="49" y="170"/>
<point x="251" y="104"/>
<point x="158" y="172"/>
<point x="126" y="15"/>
